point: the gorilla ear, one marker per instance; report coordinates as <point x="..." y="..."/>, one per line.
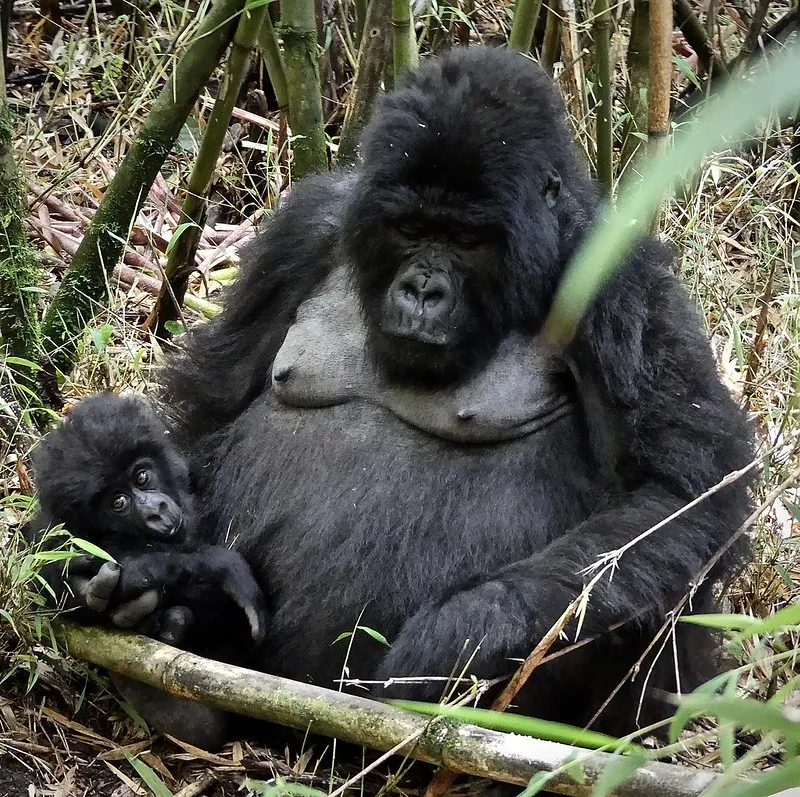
<point x="552" y="188"/>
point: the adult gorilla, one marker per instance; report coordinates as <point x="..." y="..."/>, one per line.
<point x="417" y="460"/>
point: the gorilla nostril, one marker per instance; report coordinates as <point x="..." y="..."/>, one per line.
<point x="433" y="297"/>
<point x="466" y="415"/>
<point x="282" y="373"/>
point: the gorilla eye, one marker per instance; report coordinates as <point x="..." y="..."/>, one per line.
<point x="466" y="239"/>
<point x="411" y="229"/>
<point x="142" y="477"/>
<point x="120" y="504"/>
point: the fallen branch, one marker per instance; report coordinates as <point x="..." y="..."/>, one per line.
<point x="465" y="748"/>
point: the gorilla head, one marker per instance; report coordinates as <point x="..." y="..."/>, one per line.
<point x="455" y="167"/>
<point x="110" y="473"/>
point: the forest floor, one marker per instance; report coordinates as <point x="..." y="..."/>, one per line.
<point x="62" y="731"/>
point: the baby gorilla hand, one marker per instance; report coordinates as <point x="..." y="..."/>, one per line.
<point x="90" y="582"/>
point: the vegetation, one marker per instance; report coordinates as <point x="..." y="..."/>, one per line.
<point x="111" y="122"/>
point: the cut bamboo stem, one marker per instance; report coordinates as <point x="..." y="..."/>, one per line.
<point x="466" y="748"/>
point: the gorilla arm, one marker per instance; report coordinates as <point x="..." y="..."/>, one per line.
<point x="673" y="432"/>
<point x="225" y="363"/>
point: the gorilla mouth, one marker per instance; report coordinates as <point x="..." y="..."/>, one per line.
<point x="422" y="336"/>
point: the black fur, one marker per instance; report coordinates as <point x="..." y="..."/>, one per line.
<point x="347" y="509"/>
<point x="94" y="457"/>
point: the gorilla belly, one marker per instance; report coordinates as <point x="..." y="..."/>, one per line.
<point x="366" y="519"/>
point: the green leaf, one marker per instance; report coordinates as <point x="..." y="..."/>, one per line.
<point x="513" y="723"/>
<point x="22" y="362"/>
<point x="686" y="70"/>
<point x="722" y="622"/>
<point x="537" y="783"/>
<point x="618" y="771"/>
<point x="792" y="507"/>
<point x="750" y="714"/>
<point x="174" y="327"/>
<point x="281" y="789"/>
<point x="574" y="768"/>
<point x="149" y="777"/>
<point x="92" y="549"/>
<point x="179" y="230"/>
<point x="376" y="635"/>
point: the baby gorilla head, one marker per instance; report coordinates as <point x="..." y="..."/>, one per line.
<point x="458" y="227"/>
<point x="110" y="474"/>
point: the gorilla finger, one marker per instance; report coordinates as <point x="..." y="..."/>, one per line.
<point x="133" y="612"/>
<point x="100" y="588"/>
<point x="85" y="564"/>
<point x="174" y="624"/>
<point x="246" y="594"/>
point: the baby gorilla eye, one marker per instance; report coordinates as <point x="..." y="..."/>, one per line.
<point x="120" y="504"/>
<point x="142" y="477"/>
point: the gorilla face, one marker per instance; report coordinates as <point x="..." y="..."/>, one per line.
<point x="429" y="307"/>
<point x="457" y="229"/>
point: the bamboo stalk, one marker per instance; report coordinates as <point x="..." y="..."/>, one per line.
<point x="604" y="162"/>
<point x="84" y="286"/>
<point x="695" y="34"/>
<point x="638" y="61"/>
<point x="404" y="40"/>
<point x="271" y="52"/>
<point x="573" y="65"/>
<point x="526" y="14"/>
<point x="193" y="211"/>
<point x="19" y="268"/>
<point x="552" y="38"/>
<point x="372" y="57"/>
<point x="466" y="748"/>
<point x="301" y="63"/>
<point x="659" y="81"/>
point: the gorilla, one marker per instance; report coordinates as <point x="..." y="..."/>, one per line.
<point x="378" y="425"/>
<point x="111" y="472"/>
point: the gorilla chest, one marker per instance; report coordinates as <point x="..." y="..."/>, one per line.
<point x="332" y="494"/>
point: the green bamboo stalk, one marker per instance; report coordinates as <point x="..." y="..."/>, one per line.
<point x="526" y="14"/>
<point x="552" y="38"/>
<point x="372" y="57"/>
<point x="271" y="52"/>
<point x="602" y="49"/>
<point x="193" y="212"/>
<point x="84" y="287"/>
<point x="301" y="61"/>
<point x="404" y="40"/>
<point x="19" y="268"/>
<point x="638" y="59"/>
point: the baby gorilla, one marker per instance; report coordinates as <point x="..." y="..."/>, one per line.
<point x="112" y="476"/>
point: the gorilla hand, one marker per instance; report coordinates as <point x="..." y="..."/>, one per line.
<point x="240" y="586"/>
<point x="174" y="573"/>
<point x="90" y="582"/>
<point x="474" y="632"/>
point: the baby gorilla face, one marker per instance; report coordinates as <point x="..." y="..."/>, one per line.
<point x="139" y="504"/>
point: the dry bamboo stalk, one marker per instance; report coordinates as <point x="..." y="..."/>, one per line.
<point x="466" y="748"/>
